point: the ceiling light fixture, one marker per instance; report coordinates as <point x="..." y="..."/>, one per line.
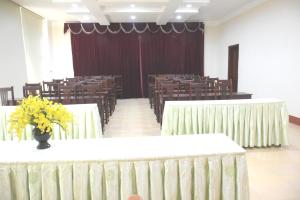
<point x="187" y="10"/>
<point x="178" y="17"/>
<point x="132" y="5"/>
<point x="133" y="17"/>
<point x="188" y="5"/>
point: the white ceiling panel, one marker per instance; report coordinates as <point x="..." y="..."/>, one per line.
<point x="159" y="11"/>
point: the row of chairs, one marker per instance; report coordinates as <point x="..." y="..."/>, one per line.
<point x="154" y="81"/>
<point x="185" y="87"/>
<point x="201" y="88"/>
<point x="101" y="92"/>
<point x="117" y="79"/>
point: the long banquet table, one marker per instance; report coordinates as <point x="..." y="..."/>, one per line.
<point x="160" y="99"/>
<point x="250" y="123"/>
<point x="86" y="123"/>
<point x="158" y="167"/>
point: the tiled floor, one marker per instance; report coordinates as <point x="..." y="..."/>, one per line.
<point x="132" y="117"/>
<point x="274" y="173"/>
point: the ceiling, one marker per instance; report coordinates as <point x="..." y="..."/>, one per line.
<point x="159" y="11"/>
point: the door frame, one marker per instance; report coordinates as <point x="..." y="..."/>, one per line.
<point x="229" y="72"/>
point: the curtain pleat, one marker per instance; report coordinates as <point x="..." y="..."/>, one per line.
<point x="130" y="48"/>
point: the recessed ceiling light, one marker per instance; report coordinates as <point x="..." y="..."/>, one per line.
<point x="178" y="17"/>
<point x="188" y="5"/>
<point x="132" y="5"/>
<point x="187" y="10"/>
<point x="132" y="17"/>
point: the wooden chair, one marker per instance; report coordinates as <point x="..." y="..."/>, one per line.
<point x="50" y="89"/>
<point x="169" y="92"/>
<point x="67" y="94"/>
<point x="198" y="91"/>
<point x="109" y="86"/>
<point x="224" y="88"/>
<point x="91" y="94"/>
<point x="211" y="86"/>
<point x="185" y="86"/>
<point x="58" y="80"/>
<point x="33" y="89"/>
<point x="172" y="90"/>
<point x="5" y="101"/>
<point x="119" y="86"/>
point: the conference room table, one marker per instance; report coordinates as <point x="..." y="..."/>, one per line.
<point x="158" y="168"/>
<point x="86" y="123"/>
<point x="249" y="122"/>
<point x="159" y="99"/>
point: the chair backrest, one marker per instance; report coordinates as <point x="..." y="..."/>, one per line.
<point x="118" y="81"/>
<point x="45" y="85"/>
<point x="170" y="89"/>
<point x="60" y="81"/>
<point x="224" y="88"/>
<point x="204" y="78"/>
<point x="211" y="85"/>
<point x="5" y="101"/>
<point x="185" y="86"/>
<point x="90" y="93"/>
<point x="32" y="84"/>
<point x="67" y="94"/>
<point x="212" y="79"/>
<point x="33" y="89"/>
<point x="198" y="91"/>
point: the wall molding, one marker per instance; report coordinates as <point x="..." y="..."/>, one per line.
<point x="294" y="120"/>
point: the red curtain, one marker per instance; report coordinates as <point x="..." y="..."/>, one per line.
<point x="135" y="55"/>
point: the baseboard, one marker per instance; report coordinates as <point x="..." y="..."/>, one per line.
<point x="294" y="120"/>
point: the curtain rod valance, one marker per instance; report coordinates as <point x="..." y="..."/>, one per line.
<point x="115" y="28"/>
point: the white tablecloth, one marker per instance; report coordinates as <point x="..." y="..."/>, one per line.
<point x="249" y="122"/>
<point x="86" y="124"/>
<point x="161" y="167"/>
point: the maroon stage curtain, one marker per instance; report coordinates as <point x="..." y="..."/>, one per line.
<point x="97" y="51"/>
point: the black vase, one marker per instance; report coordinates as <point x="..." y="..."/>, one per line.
<point x="42" y="138"/>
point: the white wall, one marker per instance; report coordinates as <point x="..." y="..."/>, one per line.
<point x="211" y="53"/>
<point x="31" y="49"/>
<point x="269" y="59"/>
<point x="35" y="38"/>
<point x="12" y="56"/>
<point x="60" y="51"/>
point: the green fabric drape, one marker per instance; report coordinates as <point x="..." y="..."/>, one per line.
<point x="207" y="177"/>
<point x="250" y="123"/>
<point x="86" y="124"/>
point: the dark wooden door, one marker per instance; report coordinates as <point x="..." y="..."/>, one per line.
<point x="233" y="65"/>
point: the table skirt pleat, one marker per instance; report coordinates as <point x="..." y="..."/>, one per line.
<point x="249" y="125"/>
<point x="86" y="124"/>
<point x="206" y="177"/>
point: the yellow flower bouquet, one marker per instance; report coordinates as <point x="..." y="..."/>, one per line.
<point x="40" y="113"/>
